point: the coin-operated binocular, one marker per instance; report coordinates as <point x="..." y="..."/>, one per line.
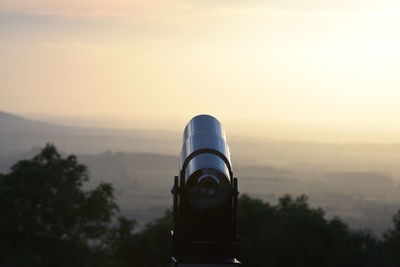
<point x="204" y="199"/>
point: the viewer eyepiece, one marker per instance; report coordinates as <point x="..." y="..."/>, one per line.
<point x="210" y="190"/>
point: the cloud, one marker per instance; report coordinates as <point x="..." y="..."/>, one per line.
<point x="79" y="46"/>
<point x="182" y="11"/>
<point x="162" y="8"/>
<point x="143" y="9"/>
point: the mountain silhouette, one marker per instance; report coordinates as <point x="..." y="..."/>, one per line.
<point x="18" y="134"/>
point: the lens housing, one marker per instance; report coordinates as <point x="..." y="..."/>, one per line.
<point x="208" y="189"/>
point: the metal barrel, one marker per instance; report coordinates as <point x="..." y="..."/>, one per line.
<point x="204" y="147"/>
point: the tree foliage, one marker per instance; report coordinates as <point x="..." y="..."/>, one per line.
<point x="392" y="240"/>
<point x="47" y="219"/>
<point x="291" y="233"/>
<point x="151" y="247"/>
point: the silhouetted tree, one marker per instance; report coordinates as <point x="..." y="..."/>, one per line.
<point x="293" y="234"/>
<point x="392" y="240"/>
<point x="47" y="219"/>
<point x="151" y="247"/>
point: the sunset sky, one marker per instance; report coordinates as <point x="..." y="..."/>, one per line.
<point x="316" y="70"/>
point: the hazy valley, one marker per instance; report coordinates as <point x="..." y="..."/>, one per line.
<point x="358" y="182"/>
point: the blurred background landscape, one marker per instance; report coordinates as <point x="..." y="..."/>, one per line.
<point x="358" y="182"/>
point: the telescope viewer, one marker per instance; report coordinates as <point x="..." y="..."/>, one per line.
<point x="204" y="199"/>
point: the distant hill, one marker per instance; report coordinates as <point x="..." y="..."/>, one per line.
<point x="18" y="135"/>
<point x="13" y="124"/>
